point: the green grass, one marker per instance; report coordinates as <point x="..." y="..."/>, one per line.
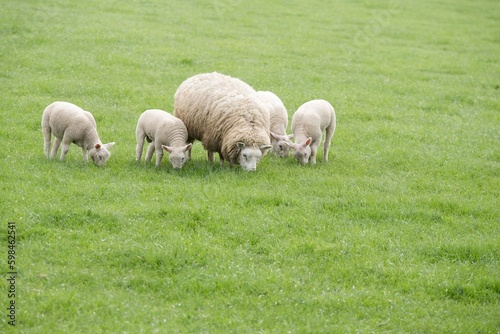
<point x="398" y="232"/>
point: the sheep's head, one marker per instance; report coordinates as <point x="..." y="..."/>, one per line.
<point x="178" y="155"/>
<point x="249" y="156"/>
<point x="280" y="146"/>
<point x="100" y="154"/>
<point x="302" y="151"/>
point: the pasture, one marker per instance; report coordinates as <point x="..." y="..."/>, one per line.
<point x="398" y="232"/>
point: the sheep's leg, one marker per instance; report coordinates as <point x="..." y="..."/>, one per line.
<point x="47" y="138"/>
<point x="64" y="149"/>
<point x="328" y="138"/>
<point x="149" y="153"/>
<point x="221" y="159"/>
<point x="159" y="154"/>
<point x="84" y="154"/>
<point x="314" y="151"/>
<point x="210" y="156"/>
<point x="139" y="147"/>
<point x="55" y="147"/>
<point x="312" y="158"/>
<point x="316" y="141"/>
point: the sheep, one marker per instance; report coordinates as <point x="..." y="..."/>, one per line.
<point x="164" y="132"/>
<point x="69" y="123"/>
<point x="278" y="123"/>
<point x="308" y="124"/>
<point x="227" y="116"/>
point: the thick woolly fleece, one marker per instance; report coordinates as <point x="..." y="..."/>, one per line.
<point x="221" y="112"/>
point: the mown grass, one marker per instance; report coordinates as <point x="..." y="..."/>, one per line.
<point x="398" y="232"/>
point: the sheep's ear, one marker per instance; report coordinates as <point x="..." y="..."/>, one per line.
<point x="291" y="136"/>
<point x="167" y="148"/>
<point x="240" y="144"/>
<point x="188" y="147"/>
<point x="97" y="146"/>
<point x="274" y="136"/>
<point x="265" y="148"/>
<point x="108" y="145"/>
<point x="308" y="141"/>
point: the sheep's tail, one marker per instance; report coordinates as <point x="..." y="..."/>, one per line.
<point x="47" y="136"/>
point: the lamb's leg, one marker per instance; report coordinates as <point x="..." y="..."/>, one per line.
<point x="328" y="138"/>
<point x="149" y="153"/>
<point x="55" y="147"/>
<point x="139" y="147"/>
<point x="312" y="158"/>
<point x="159" y="154"/>
<point x="314" y="147"/>
<point x="46" y="140"/>
<point x="210" y="156"/>
<point x="64" y="149"/>
<point x="221" y="159"/>
<point x="84" y="154"/>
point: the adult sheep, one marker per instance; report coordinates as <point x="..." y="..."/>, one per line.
<point x="278" y="117"/>
<point x="226" y="115"/>
<point x="164" y="132"/>
<point x="308" y="124"/>
<point x="71" y="124"/>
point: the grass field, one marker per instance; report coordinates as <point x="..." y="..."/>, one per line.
<point x="398" y="232"/>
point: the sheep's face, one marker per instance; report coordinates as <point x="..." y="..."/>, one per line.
<point x="280" y="146"/>
<point x="100" y="154"/>
<point x="302" y="154"/>
<point x="178" y="155"/>
<point x="302" y="151"/>
<point x="282" y="150"/>
<point x="249" y="157"/>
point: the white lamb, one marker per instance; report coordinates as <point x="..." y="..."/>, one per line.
<point x="164" y="132"/>
<point x="227" y="116"/>
<point x="71" y="124"/>
<point x="308" y="124"/>
<point x="278" y="117"/>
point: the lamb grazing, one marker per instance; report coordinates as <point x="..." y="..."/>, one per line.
<point x="71" y="124"/>
<point x="226" y="115"/>
<point x="278" y="117"/>
<point x="164" y="132"/>
<point x="308" y="124"/>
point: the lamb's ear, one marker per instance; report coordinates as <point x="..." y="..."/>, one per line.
<point x="308" y="141"/>
<point x="289" y="144"/>
<point x="167" y="148"/>
<point x="290" y="136"/>
<point x="97" y="146"/>
<point x="108" y="145"/>
<point x="240" y="144"/>
<point x="188" y="147"/>
<point x="274" y="136"/>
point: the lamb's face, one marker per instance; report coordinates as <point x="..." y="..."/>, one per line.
<point x="100" y="154"/>
<point x="302" y="151"/>
<point x="178" y="155"/>
<point x="280" y="144"/>
<point x="249" y="157"/>
<point x="281" y="149"/>
<point x="177" y="159"/>
<point x="302" y="154"/>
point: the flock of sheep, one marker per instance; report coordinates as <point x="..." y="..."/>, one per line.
<point x="224" y="113"/>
